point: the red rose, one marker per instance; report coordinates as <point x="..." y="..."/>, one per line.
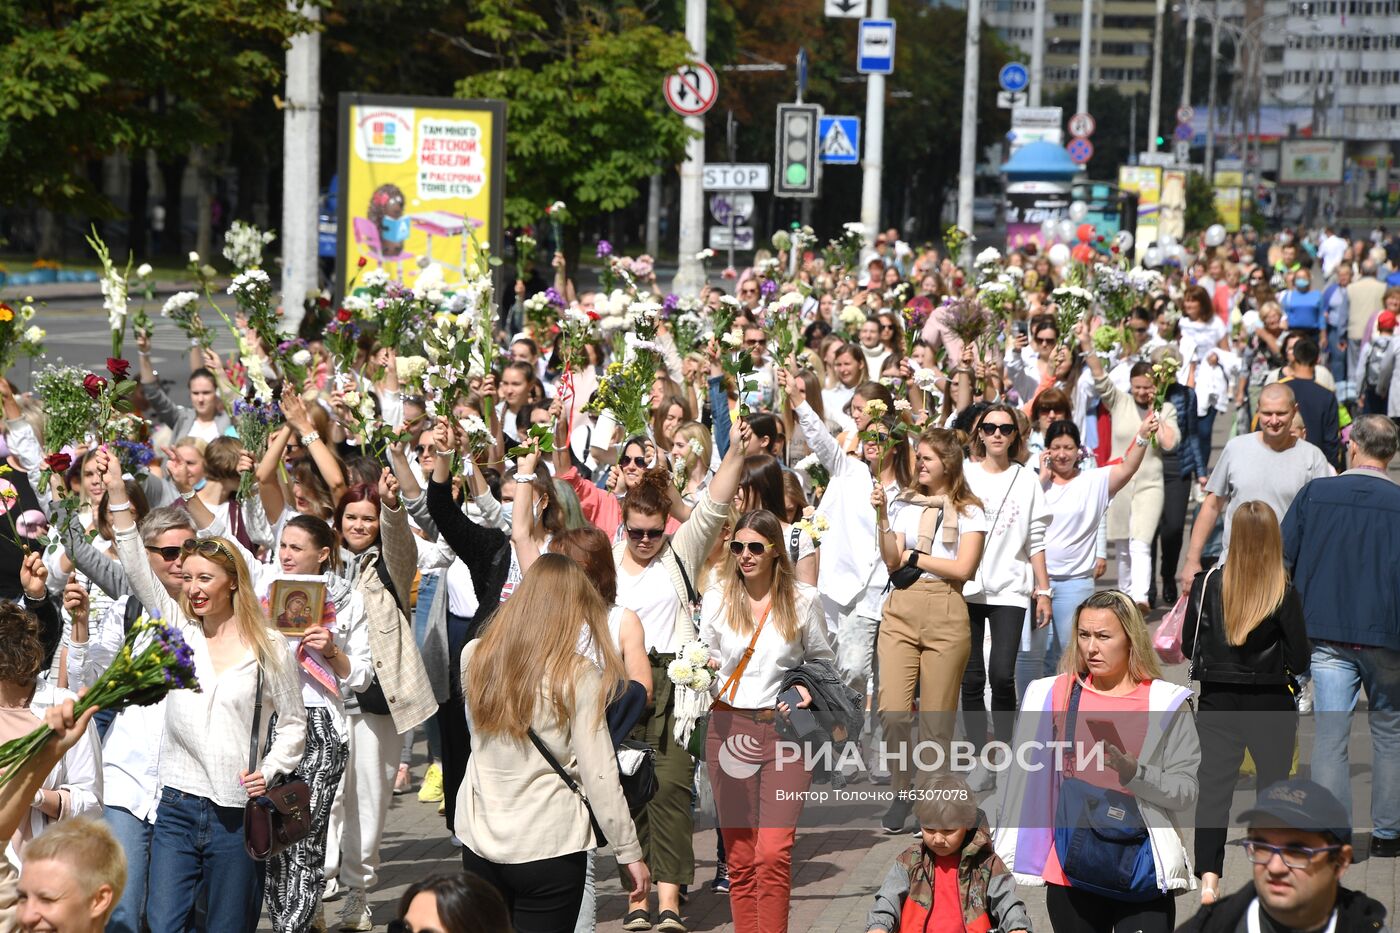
<point x="593" y="316"/>
<point x="363" y="262"/>
<point x="58" y="463"/>
<point x="93" y="384"/>
<point x="343" y="316"/>
<point x="118" y="367"/>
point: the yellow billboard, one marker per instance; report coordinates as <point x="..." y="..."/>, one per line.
<point x="422" y="181"/>
<point x="1146" y="182"/>
<point x="1230" y="206"/>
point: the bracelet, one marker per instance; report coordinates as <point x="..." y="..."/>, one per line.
<point x="884" y="530"/>
<point x="525" y="477"/>
<point x="443" y="453"/>
<point x="38" y="798"/>
<point x="308" y="439"/>
<point x="187" y="496"/>
<point x="1140" y="441"/>
<point x="331" y="657"/>
<point x="1048" y="593"/>
<point x="118" y="507"/>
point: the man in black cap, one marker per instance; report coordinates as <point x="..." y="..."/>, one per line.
<point x="1299" y="841"/>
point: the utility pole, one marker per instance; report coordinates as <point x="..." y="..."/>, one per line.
<point x="1086" y="23"/>
<point x="1154" y="106"/>
<point x="873" y="165"/>
<point x="967" y="165"/>
<point x="1038" y="51"/>
<point x="301" y="169"/>
<point x="653" y="244"/>
<point x="690" y="275"/>
<point x="1190" y="53"/>
<point x="1210" y="93"/>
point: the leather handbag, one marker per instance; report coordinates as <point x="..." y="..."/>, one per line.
<point x="696" y="744"/>
<point x="281" y="817"/>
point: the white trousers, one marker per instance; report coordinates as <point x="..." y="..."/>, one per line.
<point x="362" y="803"/>
<point x="1134" y="567"/>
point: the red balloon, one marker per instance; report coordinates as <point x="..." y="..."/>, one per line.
<point x="1086" y="232"/>
<point x="1083" y="253"/>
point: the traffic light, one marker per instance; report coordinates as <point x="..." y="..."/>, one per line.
<point x="1161" y="141"/>
<point x="797" y="173"/>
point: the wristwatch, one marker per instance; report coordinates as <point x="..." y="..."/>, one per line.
<point x="308" y="439"/>
<point x="1048" y="592"/>
<point x="1140" y="441"/>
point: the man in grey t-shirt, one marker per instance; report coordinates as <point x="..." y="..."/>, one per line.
<point x="1270" y="466"/>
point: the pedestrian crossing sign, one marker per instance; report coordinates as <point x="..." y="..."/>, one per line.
<point x="840" y="140"/>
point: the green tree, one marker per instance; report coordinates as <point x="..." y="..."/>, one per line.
<point x="1200" y="203"/>
<point x="585" y="122"/>
<point x="82" y="80"/>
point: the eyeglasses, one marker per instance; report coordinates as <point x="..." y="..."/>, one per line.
<point x="1045" y="341"/>
<point x="645" y="534"/>
<point x="639" y="462"/>
<point x="424" y="450"/>
<point x="171" y="552"/>
<point x="887" y="327"/>
<point x="753" y="547"/>
<point x="756" y="342"/>
<point x="877" y="438"/>
<point x="1261" y="853"/>
<point x="206" y="547"/>
<point x="1006" y="430"/>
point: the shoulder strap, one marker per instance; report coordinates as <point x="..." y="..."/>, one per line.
<point x="131" y="613"/>
<point x="1072" y="713"/>
<point x="1200" y="607"/>
<point x="257" y="723"/>
<point x="601" y="839"/>
<point x="1003" y="500"/>
<point x="685" y="577"/>
<point x="731" y="686"/>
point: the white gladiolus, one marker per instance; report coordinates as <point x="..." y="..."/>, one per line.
<point x="144" y="270"/>
<point x="178" y="302"/>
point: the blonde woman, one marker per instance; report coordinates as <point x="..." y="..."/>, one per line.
<point x="240" y="662"/>
<point x="1249" y="645"/>
<point x="1109" y="680"/>
<point x="691" y="451"/>
<point x="939" y="527"/>
<point x="760" y="623"/>
<point x="535" y="707"/>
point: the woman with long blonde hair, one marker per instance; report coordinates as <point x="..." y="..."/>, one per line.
<point x="1134" y="737"/>
<point x="204" y="759"/>
<point x="938" y="527"/>
<point x="759" y="623"/>
<point x="1248" y="646"/>
<point x="541" y="752"/>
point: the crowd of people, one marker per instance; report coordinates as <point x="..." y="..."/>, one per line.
<point x="864" y="498"/>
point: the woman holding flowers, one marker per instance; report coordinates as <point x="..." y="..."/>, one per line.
<point x="198" y="838"/>
<point x="938" y="527"/>
<point x="760" y="624"/>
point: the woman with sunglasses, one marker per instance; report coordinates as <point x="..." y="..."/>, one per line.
<point x="761" y="487"/>
<point x="760" y="623"/>
<point x="1011" y="576"/>
<point x="600" y="507"/>
<point x="939" y="527"/>
<point x="891" y="331"/>
<point x="197" y="844"/>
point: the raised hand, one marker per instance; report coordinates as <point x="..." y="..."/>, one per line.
<point x="34" y="576"/>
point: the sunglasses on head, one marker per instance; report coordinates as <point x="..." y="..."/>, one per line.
<point x="205" y="547"/>
<point x="171" y="552"/>
<point x="1006" y="430"/>
<point x="645" y="534"/>
<point x="639" y="462"/>
<point x="753" y="547"/>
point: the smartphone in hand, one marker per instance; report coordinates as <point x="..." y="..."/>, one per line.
<point x="803" y="721"/>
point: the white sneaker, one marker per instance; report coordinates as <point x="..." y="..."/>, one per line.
<point x="1305" y="699"/>
<point x="332" y="891"/>
<point x="354" y="913"/>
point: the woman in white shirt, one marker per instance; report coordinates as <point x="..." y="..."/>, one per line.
<point x="759" y="623"/>
<point x="198" y="838"/>
<point x="1013" y="561"/>
<point x="938" y="526"/>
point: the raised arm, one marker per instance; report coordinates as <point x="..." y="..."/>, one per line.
<point x="818" y="436"/>
<point x="475" y="545"/>
<point x="1122" y="472"/>
<point x="522" y="528"/>
<point x="130" y="552"/>
<point x="270" y="492"/>
<point x="294" y="409"/>
<point x="395" y="538"/>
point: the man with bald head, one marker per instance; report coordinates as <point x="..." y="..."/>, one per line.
<point x="1270" y="465"/>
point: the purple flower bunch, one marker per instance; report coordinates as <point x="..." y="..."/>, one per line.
<point x="670" y="303"/>
<point x="605" y="249"/>
<point x="552" y="296"/>
<point x="134" y="455"/>
<point x="768" y="288"/>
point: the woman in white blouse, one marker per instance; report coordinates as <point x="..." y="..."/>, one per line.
<point x="759" y="623"/>
<point x="198" y="838"/>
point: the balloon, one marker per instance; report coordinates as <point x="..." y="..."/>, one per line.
<point x="1078" y="211"/>
<point x="1058" y="255"/>
<point x="1065" y="230"/>
<point x="1083" y="253"/>
<point x="1047" y="230"/>
<point x="1124" y="240"/>
<point x="1085" y="233"/>
<point x="1175" y="252"/>
<point x="1166" y="241"/>
<point x="1215" y="234"/>
<point x="1152" y="258"/>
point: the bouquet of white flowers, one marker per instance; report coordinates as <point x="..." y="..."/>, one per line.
<point x="691" y="675"/>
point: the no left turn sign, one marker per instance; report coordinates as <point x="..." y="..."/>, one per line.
<point x="692" y="89"/>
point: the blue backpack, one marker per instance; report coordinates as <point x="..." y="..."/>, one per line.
<point x="1100" y="836"/>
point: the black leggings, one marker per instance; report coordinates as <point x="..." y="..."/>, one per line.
<point x="452" y="721"/>
<point x="1171" y="528"/>
<point x="1006" y="623"/>
<point x="542" y="896"/>
<point x="1076" y="911"/>
<point x="1232" y="718"/>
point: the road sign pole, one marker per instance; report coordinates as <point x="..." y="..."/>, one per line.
<point x="1038" y="50"/>
<point x="731" y="139"/>
<point x="874" y="162"/>
<point x="690" y="275"/>
<point x="967" y="167"/>
<point x="1086" y="39"/>
<point x="300" y="169"/>
<point x="1154" y="104"/>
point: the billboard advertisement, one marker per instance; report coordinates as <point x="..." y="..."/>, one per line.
<point x="1146" y="182"/>
<point x="1028" y="205"/>
<point x="1172" y="213"/>
<point x="1311" y="161"/>
<point x="1229" y="203"/>
<point x="422" y="181"/>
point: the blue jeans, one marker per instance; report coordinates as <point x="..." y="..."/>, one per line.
<point x="199" y="845"/>
<point x="134" y="834"/>
<point x="1040" y="656"/>
<point x="1339" y="673"/>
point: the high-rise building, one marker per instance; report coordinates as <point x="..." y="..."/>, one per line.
<point x="1121" y="55"/>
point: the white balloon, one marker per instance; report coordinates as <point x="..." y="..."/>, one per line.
<point x="1124" y="240"/>
<point x="1078" y="211"/>
<point x="1166" y="241"/>
<point x="1058" y="255"/>
<point x="1215" y="234"/>
<point x="1152" y="258"/>
<point x="1065" y="230"/>
<point x="1176" y="252"/>
<point x="1047" y="229"/>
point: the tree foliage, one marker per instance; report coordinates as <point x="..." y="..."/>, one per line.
<point x="82" y="80"/>
<point x="1200" y="202"/>
<point x="585" y="119"/>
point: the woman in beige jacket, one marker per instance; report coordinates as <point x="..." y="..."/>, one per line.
<point x="542" y="787"/>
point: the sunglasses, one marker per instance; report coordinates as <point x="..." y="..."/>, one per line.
<point x="887" y="327"/>
<point x="753" y="547"/>
<point x="424" y="450"/>
<point x="205" y="547"/>
<point x="171" y="552"/>
<point x="645" y="534"/>
<point x="639" y="462"/>
<point x="1138" y="330"/>
<point x="1045" y="341"/>
<point x="1006" y="430"/>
